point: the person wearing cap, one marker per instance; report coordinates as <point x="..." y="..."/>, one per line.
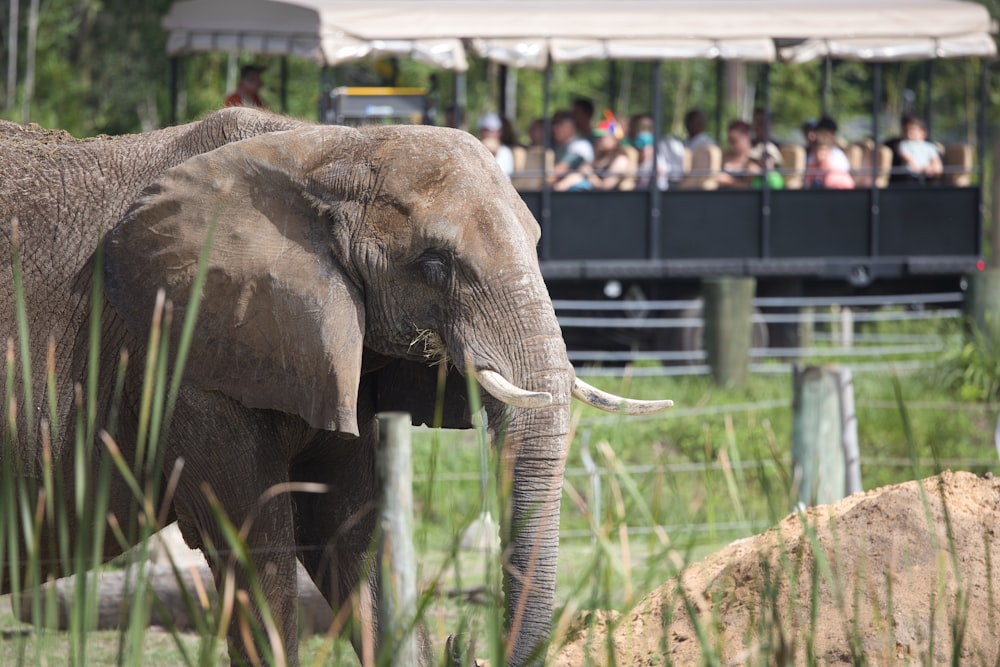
<point x="490" y="127"/>
<point x="247" y="93"/>
<point x="610" y="162"/>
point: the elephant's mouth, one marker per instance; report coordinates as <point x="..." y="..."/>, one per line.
<point x="429" y="347"/>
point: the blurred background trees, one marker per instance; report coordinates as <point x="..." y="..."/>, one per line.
<point x="100" y="66"/>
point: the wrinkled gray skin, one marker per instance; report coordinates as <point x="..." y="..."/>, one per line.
<point x="334" y="250"/>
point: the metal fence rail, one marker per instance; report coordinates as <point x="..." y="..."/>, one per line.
<point x="908" y="351"/>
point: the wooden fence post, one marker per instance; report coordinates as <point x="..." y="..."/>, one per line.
<point x="826" y="462"/>
<point x="982" y="300"/>
<point x="398" y="588"/>
<point x="728" y="312"/>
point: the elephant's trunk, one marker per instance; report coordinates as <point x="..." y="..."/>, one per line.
<point x="533" y="453"/>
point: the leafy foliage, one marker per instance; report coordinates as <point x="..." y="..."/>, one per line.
<point x="972" y="371"/>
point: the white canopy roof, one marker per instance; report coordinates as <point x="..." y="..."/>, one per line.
<point x="526" y="33"/>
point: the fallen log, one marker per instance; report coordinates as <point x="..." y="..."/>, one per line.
<point x="115" y="593"/>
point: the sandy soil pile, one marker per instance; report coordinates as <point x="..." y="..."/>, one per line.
<point x="889" y="584"/>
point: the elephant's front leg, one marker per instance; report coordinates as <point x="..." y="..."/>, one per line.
<point x="244" y="475"/>
<point x="334" y="530"/>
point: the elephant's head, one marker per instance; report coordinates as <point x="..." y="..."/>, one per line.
<point x="339" y="252"/>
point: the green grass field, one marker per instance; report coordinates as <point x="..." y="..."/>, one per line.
<point x="673" y="488"/>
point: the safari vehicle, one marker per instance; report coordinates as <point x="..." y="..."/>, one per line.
<point x="361" y="105"/>
<point x="647" y="245"/>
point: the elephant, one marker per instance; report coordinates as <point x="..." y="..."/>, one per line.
<point x="350" y="269"/>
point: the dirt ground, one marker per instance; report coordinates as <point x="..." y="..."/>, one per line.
<point x="877" y="571"/>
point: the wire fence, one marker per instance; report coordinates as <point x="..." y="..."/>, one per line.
<point x="589" y="477"/>
<point x="899" y="352"/>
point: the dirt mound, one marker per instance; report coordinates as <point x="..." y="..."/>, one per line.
<point x="890" y="576"/>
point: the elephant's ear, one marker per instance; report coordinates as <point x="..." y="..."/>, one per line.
<point x="280" y="326"/>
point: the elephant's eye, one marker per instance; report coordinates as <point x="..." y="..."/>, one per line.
<point x="436" y="269"/>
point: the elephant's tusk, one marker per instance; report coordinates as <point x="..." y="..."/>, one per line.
<point x="610" y="403"/>
<point x="502" y="390"/>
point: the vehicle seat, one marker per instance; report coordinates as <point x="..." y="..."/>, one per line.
<point x="862" y="169"/>
<point x="520" y="155"/>
<point x="628" y="181"/>
<point x="957" y="162"/>
<point x="529" y="177"/>
<point x="793" y="165"/>
<point x="706" y="163"/>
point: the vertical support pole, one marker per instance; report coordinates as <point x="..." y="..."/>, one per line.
<point x="502" y="72"/>
<point x="459" y="98"/>
<point x="283" y="89"/>
<point x="720" y="97"/>
<point x="824" y="89"/>
<point x="984" y="100"/>
<point x="325" y="81"/>
<point x="929" y="102"/>
<point x="765" y="193"/>
<point x="546" y="222"/>
<point x="728" y="324"/>
<point x="873" y="228"/>
<point x="396" y="557"/>
<point x="653" y="235"/>
<point x="612" y="84"/>
<point x="825" y="462"/>
<point x="981" y="306"/>
<point x="849" y="433"/>
<point x="175" y="75"/>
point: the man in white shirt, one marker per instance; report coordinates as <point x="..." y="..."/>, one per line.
<point x="694" y="124"/>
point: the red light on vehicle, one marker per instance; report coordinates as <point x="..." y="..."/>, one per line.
<point x="980" y="265"/>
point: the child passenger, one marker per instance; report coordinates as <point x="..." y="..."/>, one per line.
<point x="919" y="156"/>
<point x="825" y="171"/>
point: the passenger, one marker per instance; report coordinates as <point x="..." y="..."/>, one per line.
<point x="826" y="132"/>
<point x="583" y="117"/>
<point x="640" y="137"/>
<point x="572" y="153"/>
<point x="694" y="125"/>
<point x="490" y="126"/>
<point x="825" y="171"/>
<point x="773" y="148"/>
<point x="611" y="163"/>
<point x="247" y="93"/>
<point x="764" y="159"/>
<point x="508" y="133"/>
<point x="536" y="132"/>
<point x="758" y="129"/>
<point x="736" y="167"/>
<point x="451" y="116"/>
<point x="809" y="136"/>
<point x="920" y="158"/>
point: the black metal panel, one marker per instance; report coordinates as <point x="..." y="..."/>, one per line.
<point x="929" y="221"/>
<point x="820" y="223"/>
<point x="533" y="200"/>
<point x="706" y="224"/>
<point x="599" y="225"/>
